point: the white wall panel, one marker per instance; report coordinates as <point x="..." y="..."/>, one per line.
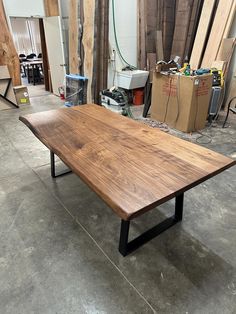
<point x="126" y="26"/>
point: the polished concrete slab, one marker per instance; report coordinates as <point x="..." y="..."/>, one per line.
<point x="58" y="240"/>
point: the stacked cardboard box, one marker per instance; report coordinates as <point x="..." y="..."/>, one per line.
<point x="181" y="101"/>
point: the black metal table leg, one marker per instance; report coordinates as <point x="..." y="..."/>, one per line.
<point x="124" y="235"/>
<point x="179" y="204"/>
<point x="4" y="96"/>
<point x="126" y="247"/>
<point x="53" y="168"/>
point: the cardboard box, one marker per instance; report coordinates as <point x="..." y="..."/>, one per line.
<point x="181" y="101"/>
<point x="22" y="96"/>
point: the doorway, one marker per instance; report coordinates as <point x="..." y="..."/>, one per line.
<point x="28" y="43"/>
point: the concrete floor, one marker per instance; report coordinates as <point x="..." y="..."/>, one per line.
<point x="58" y="240"/>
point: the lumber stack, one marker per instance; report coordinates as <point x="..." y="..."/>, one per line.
<point x="166" y="28"/>
<point x="193" y="28"/>
<point x="211" y="42"/>
<point x="88" y="43"/>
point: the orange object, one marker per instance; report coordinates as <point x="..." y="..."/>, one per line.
<point x="61" y="92"/>
<point x="138" y="96"/>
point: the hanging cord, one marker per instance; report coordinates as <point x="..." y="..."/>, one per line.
<point x="177" y="98"/>
<point x="116" y="40"/>
<point x="202" y="135"/>
<point x="168" y="98"/>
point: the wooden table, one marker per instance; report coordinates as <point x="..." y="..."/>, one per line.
<point x="34" y="64"/>
<point x="131" y="166"/>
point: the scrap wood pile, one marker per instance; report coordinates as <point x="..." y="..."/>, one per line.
<point x="196" y="30"/>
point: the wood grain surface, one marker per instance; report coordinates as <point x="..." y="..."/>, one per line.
<point x="201" y="34"/>
<point x="51" y="8"/>
<point x="131" y="166"/>
<point x="8" y="54"/>
<point x="218" y="27"/>
<point x="73" y="36"/>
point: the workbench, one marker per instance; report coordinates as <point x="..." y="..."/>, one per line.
<point x="131" y="166"/>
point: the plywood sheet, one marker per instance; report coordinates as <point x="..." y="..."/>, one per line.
<point x="222" y="14"/>
<point x="226" y="49"/>
<point x="202" y="30"/>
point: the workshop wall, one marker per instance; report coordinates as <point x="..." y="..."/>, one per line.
<point x="126" y="28"/>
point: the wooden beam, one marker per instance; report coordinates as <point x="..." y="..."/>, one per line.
<point x="230" y="20"/>
<point x="73" y="36"/>
<point x="51" y="8"/>
<point x="88" y="43"/>
<point x="222" y="14"/>
<point x="101" y="48"/>
<point x="201" y="35"/>
<point x="45" y="56"/>
<point x="142" y="33"/>
<point x="193" y="25"/>
<point x="226" y="49"/>
<point x="166" y="19"/>
<point x="224" y="44"/>
<point x="183" y="15"/>
<point x="159" y="46"/>
<point x="8" y="54"/>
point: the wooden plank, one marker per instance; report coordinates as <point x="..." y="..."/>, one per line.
<point x="159" y="46"/>
<point x="101" y="48"/>
<point x="45" y="56"/>
<point x="167" y="13"/>
<point x="226" y="49"/>
<point x="8" y="54"/>
<point x="226" y="53"/>
<point x="51" y="8"/>
<point x="151" y="20"/>
<point x="202" y="30"/>
<point x="73" y="36"/>
<point x="219" y="65"/>
<point x="142" y="29"/>
<point x="183" y="15"/>
<point x="151" y="61"/>
<point x="193" y="24"/>
<point x="88" y="43"/>
<point x="222" y="14"/>
<point x="230" y="20"/>
<point x="132" y="167"/>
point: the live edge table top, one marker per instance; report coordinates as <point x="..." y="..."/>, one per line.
<point x="131" y="166"/>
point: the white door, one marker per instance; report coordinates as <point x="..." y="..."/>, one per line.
<point x="55" y="49"/>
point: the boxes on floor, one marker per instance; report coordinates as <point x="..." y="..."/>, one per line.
<point x="181" y="101"/>
<point x="22" y="95"/>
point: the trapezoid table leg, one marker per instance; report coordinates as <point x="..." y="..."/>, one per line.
<point x="126" y="247"/>
<point x="53" y="168"/>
